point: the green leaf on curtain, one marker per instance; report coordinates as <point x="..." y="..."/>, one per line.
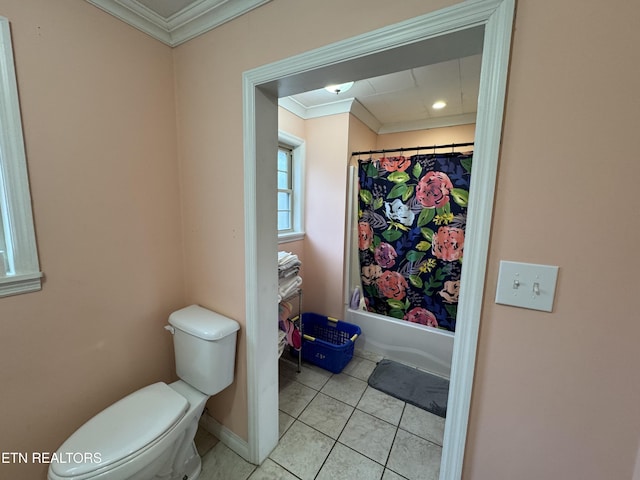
<point x="433" y="283"/>
<point x="439" y="274"/>
<point x="466" y="163"/>
<point x="397" y="304"/>
<point x="426" y="215"/>
<point x="423" y="246"/>
<point x="371" y="170"/>
<point x="414" y="256"/>
<point x="399" y="314"/>
<point x="452" y="310"/>
<point x="366" y="196"/>
<point x="417" y="171"/>
<point x="427" y="233"/>
<point x="460" y="196"/>
<point x="397" y="191"/>
<point x="398" y="177"/>
<point x="376" y="241"/>
<point x="377" y="203"/>
<point x="392" y="235"/>
<point x="445" y="210"/>
<point x="408" y="194"/>
<point x="430" y="290"/>
<point x="416" y="281"/>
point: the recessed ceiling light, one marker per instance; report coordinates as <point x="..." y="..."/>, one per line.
<point x="439" y="104"/>
<point x="343" y="87"/>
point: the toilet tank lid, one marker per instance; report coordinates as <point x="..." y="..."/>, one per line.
<point x="122" y="429"/>
<point x="203" y="323"/>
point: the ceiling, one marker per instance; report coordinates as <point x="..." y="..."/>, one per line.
<point x="396" y="102"/>
<point x="402" y="101"/>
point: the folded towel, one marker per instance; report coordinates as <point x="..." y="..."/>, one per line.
<point x="288" y="273"/>
<point x="287" y="260"/>
<point x="290" y="287"/>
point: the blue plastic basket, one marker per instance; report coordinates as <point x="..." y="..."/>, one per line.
<point x="328" y="342"/>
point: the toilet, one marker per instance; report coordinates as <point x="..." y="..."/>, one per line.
<point x="148" y="435"/>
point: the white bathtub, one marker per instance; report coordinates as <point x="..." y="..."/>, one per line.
<point x="423" y="347"/>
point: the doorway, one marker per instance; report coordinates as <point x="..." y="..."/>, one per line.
<point x="444" y="34"/>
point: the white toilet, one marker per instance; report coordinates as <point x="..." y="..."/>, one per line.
<point x="148" y="435"/>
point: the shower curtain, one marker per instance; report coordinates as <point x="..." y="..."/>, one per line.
<point x="411" y="224"/>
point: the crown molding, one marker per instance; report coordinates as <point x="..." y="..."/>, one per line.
<point x="428" y="123"/>
<point x="351" y="105"/>
<point x="185" y="24"/>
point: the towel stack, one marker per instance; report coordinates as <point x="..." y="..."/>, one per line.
<point x="289" y="282"/>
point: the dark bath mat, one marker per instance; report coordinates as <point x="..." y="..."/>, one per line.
<point x="411" y="385"/>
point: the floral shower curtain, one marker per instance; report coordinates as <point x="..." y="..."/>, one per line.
<point x="411" y="224"/>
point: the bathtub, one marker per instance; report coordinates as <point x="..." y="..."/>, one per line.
<point x="427" y="348"/>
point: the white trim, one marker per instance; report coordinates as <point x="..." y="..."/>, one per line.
<point x="186" y="24"/>
<point x="427" y="123"/>
<point x="290" y="237"/>
<point x="226" y="436"/>
<point x="261" y="282"/>
<point x="20" y="284"/>
<point x="353" y="106"/>
<point x="298" y="162"/>
<point x="22" y="254"/>
<point x="497" y="17"/>
<point x="492" y="91"/>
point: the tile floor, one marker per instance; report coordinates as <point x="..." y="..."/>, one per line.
<point x="334" y="427"/>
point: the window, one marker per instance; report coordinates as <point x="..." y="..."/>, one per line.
<point x="290" y="187"/>
<point x="19" y="268"/>
<point x="285" y="190"/>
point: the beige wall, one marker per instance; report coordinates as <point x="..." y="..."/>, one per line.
<point x="325" y="188"/>
<point x="555" y="395"/>
<point x="97" y="101"/>
<point x="565" y="184"/>
<point x="434" y="136"/>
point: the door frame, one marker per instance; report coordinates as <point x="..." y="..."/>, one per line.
<point x="338" y="61"/>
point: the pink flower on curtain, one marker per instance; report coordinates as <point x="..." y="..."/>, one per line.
<point x="385" y="255"/>
<point x="392" y="285"/>
<point x="451" y="291"/>
<point x="365" y="235"/>
<point x="395" y="164"/>
<point x="422" y="316"/>
<point x="448" y="243"/>
<point x="433" y="190"/>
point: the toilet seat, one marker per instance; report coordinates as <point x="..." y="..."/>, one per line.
<point x="120" y="430"/>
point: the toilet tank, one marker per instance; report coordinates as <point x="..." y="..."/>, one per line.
<point x="205" y="348"/>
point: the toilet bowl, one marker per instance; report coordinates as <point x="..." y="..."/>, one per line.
<point x="148" y="435"/>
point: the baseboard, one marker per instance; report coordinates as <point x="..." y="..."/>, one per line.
<point x="226" y="436"/>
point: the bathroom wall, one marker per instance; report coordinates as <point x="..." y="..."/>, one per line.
<point x="434" y="136"/>
<point x="97" y="100"/>
<point x="555" y="395"/>
<point x="325" y="213"/>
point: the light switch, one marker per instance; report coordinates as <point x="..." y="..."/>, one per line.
<point x="527" y="285"/>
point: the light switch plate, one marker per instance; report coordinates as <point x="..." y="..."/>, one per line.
<point x="527" y="285"/>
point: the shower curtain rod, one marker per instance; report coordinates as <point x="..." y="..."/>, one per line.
<point x="404" y="149"/>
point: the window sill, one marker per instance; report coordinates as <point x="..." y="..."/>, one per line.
<point x="290" y="237"/>
<point x="17" y="284"/>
